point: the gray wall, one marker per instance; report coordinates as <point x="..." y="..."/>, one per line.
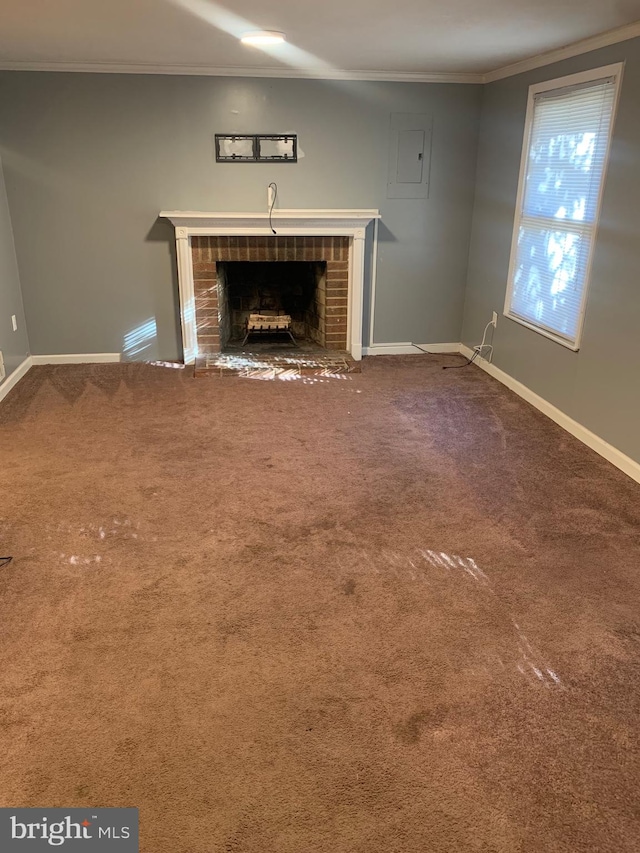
<point x="14" y="345"/>
<point x="599" y="385"/>
<point x="90" y="160"/>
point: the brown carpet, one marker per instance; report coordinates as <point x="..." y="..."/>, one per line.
<point x="394" y="612"/>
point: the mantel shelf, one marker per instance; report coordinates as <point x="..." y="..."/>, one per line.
<point x="203" y="222"/>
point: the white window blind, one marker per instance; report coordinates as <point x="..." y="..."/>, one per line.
<point x="567" y="145"/>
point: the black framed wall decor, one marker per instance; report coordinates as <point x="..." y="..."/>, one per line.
<point x="256" y="148"/>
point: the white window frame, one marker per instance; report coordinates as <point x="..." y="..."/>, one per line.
<point x="590" y="76"/>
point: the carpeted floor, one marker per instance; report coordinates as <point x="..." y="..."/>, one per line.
<point x="394" y="612"/>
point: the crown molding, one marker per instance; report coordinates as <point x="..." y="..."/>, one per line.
<point x="232" y="71"/>
<point x="630" y="31"/>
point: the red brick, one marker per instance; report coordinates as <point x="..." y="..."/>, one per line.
<point x="206" y="304"/>
<point x="207" y="315"/>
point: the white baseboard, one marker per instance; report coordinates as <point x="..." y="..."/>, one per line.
<point x="407" y="348"/>
<point x="78" y="358"/>
<point x="15" y="377"/>
<point x="72" y="358"/>
<point x="603" y="448"/>
<point x="625" y="463"/>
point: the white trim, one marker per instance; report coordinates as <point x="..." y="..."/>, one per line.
<point x="231" y="71"/>
<point x="187" y="295"/>
<point x="77" y="358"/>
<point x="15" y="377"/>
<point x="625" y="463"/>
<point x="199" y="222"/>
<point x="542" y="330"/>
<point x="407" y="348"/>
<point x="374" y="281"/>
<point x="289" y="223"/>
<point x="70" y="358"/>
<point x="630" y="31"/>
<point x="599" y="445"/>
<point x="588" y="76"/>
<point x="620" y="34"/>
<point x="355" y="302"/>
<point x="592" y="75"/>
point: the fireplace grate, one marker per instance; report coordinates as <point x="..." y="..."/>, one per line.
<point x="268" y="323"/>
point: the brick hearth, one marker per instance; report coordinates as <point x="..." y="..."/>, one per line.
<point x="207" y="252"/>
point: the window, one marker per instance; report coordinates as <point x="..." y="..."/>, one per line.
<point x="567" y="137"/>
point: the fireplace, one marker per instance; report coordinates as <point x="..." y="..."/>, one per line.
<point x="331" y="243"/>
<point x="295" y="290"/>
<point x="306" y="277"/>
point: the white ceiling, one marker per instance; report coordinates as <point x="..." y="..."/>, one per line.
<point x="326" y="37"/>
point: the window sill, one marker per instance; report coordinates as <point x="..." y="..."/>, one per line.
<point x="571" y="345"/>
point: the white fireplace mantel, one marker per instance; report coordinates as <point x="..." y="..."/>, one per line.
<point x="335" y="222"/>
<point x="286" y="223"/>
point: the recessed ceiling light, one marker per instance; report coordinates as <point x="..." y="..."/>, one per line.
<point x="262" y="37"/>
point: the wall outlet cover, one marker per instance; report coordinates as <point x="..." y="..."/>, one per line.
<point x="3" y="372"/>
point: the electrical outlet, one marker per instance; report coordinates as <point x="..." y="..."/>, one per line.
<point x="3" y="372"/>
<point x="14" y="322"/>
<point x="494" y="319"/>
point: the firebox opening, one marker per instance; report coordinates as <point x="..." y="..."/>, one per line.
<point x="293" y="288"/>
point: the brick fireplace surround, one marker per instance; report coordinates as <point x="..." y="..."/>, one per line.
<point x="208" y="252"/>
<point x="334" y="238"/>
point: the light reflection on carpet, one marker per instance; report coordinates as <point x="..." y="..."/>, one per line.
<point x="528" y="662"/>
<point x="282" y="367"/>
